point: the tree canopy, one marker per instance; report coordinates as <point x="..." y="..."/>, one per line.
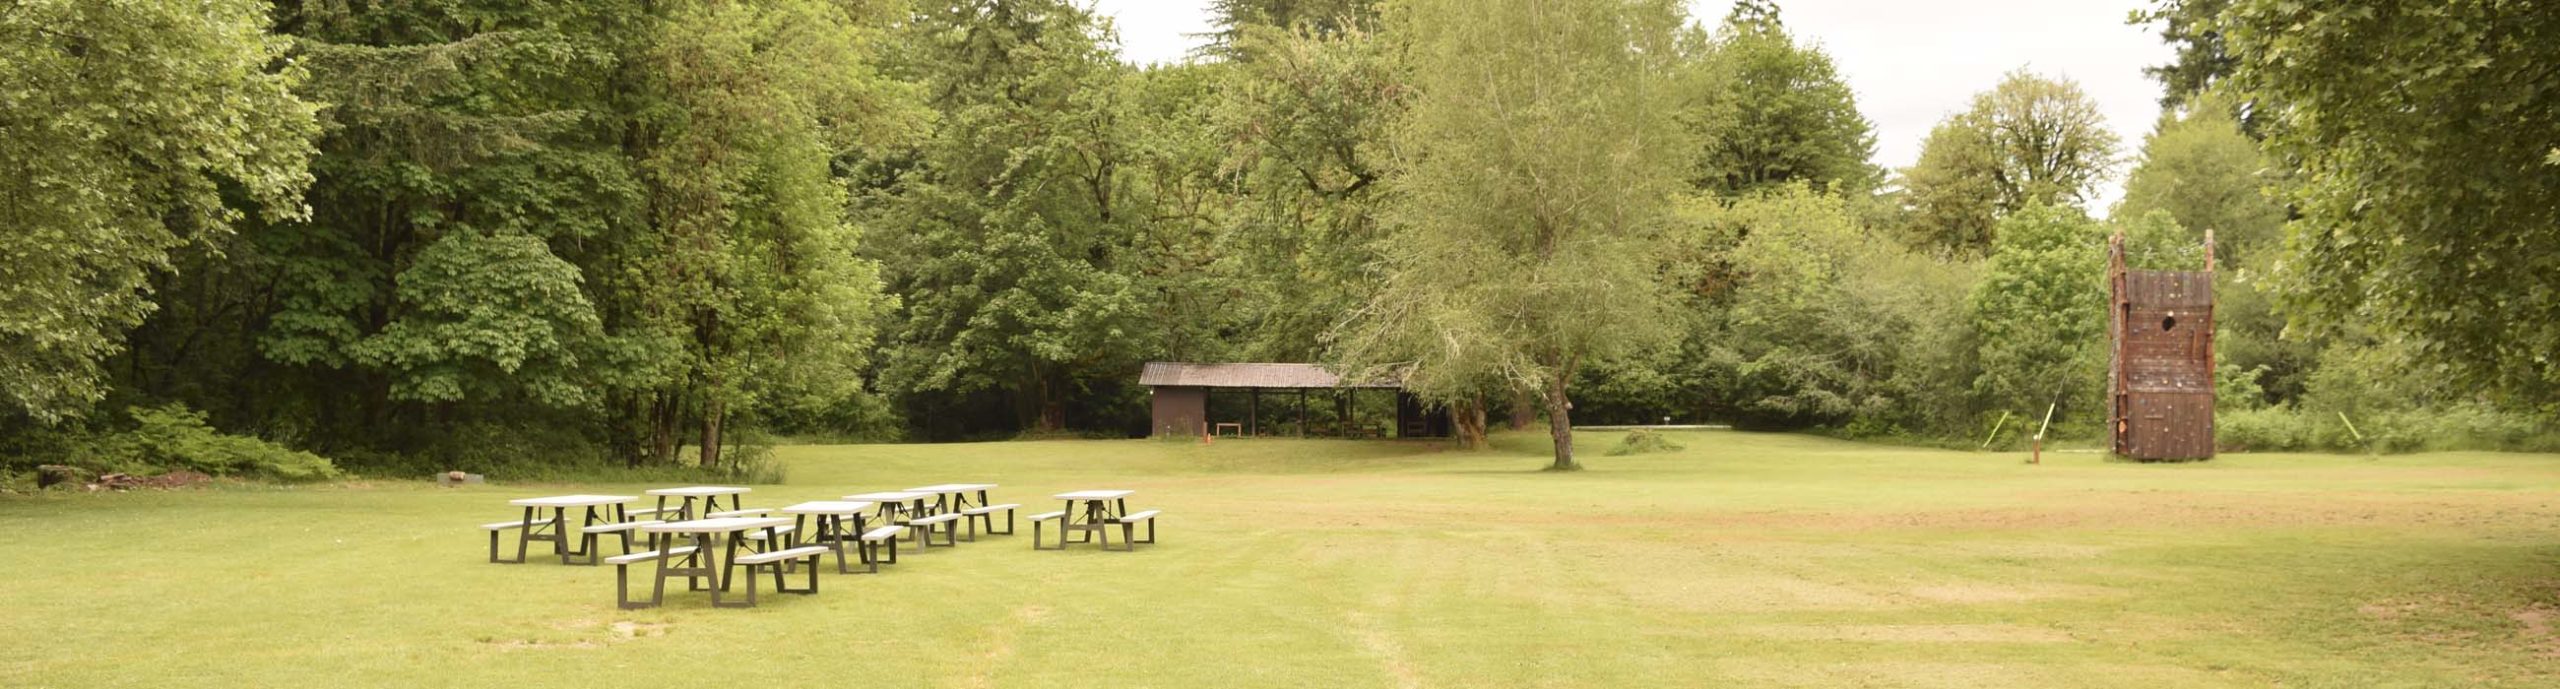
<point x="432" y="235"/>
<point x="1509" y="262"/>
<point x="121" y="127"/>
<point x="2428" y="179"/>
<point x="2030" y="140"/>
<point x="1771" y="109"/>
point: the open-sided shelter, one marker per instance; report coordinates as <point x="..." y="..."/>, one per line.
<point x="1181" y="397"/>
<point x="2160" y="387"/>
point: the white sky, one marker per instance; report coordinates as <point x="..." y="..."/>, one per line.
<point x="1912" y="62"/>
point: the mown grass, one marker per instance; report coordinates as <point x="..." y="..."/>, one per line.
<point x="1742" y="560"/>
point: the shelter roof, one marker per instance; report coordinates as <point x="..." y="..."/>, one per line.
<point x="1249" y="375"/>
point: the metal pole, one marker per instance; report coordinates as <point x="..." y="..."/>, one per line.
<point x="2038" y="457"/>
<point x="1995" y="429"/>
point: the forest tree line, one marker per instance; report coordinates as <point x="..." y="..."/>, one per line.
<point x="467" y="233"/>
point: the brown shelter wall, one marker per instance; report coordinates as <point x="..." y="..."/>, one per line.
<point x="1180" y="411"/>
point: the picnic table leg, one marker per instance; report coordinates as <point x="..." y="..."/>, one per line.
<point x="726" y="574"/>
<point x="834" y="526"/>
<point x="523" y="541"/>
<point x="559" y="525"/>
<point x="658" y="588"/>
<point x="697" y="562"/>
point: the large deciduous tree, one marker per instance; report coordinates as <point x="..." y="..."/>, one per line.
<point x="1771" y="110"/>
<point x="754" y="270"/>
<point x="610" y="224"/>
<point x="1305" y="119"/>
<point x="2029" y="140"/>
<point x="1537" y="158"/>
<point x="123" y="127"/>
<point x="2199" y="167"/>
<point x="2039" y="312"/>
<point x="2426" y="138"/>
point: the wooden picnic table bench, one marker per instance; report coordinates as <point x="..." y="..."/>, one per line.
<point x="898" y="506"/>
<point x="598" y="509"/>
<point x="1096" y="512"/>
<point x="840" y="526"/>
<point x="709" y="495"/>
<point x="707" y="558"/>
<point x="955" y="499"/>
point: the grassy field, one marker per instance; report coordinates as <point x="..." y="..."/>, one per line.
<point x="1746" y="560"/>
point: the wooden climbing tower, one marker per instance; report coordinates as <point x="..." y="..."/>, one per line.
<point x="2161" y="372"/>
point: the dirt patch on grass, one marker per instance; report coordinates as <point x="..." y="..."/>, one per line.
<point x="1914" y="633"/>
<point x="1000" y="646"/>
<point x="2537" y="631"/>
<point x="541" y="644"/>
<point x="1379" y="644"/>
<point x="1977" y="593"/>
<point x="627" y="630"/>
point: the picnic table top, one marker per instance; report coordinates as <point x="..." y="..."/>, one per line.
<point x="573" y="501"/>
<point x="717" y="525"/>
<point x="699" y="491"/>
<point x="1094" y="495"/>
<point x="828" y="507"/>
<point x="951" y="488"/>
<point x="890" y="496"/>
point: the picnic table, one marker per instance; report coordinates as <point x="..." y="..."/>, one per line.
<point x="556" y="529"/>
<point x="709" y="495"/>
<point x="897" y="506"/>
<point x="1090" y="512"/>
<point x="840" y="526"/>
<point x="954" y="497"/>
<point x="706" y="557"/>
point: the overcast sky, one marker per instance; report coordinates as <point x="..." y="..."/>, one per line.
<point x="1912" y="62"/>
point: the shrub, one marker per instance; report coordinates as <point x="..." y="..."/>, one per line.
<point x="2441" y="428"/>
<point x="1643" y="441"/>
<point x="174" y="437"/>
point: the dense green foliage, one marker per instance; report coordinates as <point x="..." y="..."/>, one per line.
<point x="2030" y="140"/>
<point x="127" y="130"/>
<point x="526" y="236"/>
<point x="2041" y="313"/>
<point x="1769" y="109"/>
<point x="1508" y="267"/>
<point x="2429" y="177"/>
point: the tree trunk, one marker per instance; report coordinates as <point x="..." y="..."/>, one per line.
<point x="1048" y="410"/>
<point x="1466" y="418"/>
<point x="1524" y="410"/>
<point x="662" y="430"/>
<point x="711" y="413"/>
<point x="1560" y="424"/>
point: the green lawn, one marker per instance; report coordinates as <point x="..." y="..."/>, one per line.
<point x="1747" y="560"/>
